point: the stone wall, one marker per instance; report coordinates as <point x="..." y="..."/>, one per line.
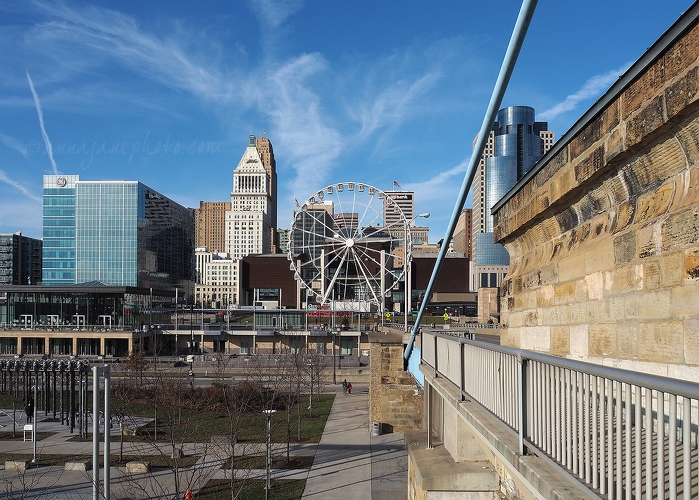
<point x="604" y="237"/>
<point x="395" y="399"/>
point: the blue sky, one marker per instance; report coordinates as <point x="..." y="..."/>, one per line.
<point x="365" y="91"/>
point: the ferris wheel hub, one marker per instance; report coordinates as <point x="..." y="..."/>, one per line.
<point x="349" y="243"/>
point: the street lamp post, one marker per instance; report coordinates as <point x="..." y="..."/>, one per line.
<point x="339" y="347"/>
<point x="334" y="373"/>
<point x="310" y="392"/>
<point x="406" y="283"/>
<point x="268" y="414"/>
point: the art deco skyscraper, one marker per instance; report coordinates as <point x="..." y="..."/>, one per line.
<point x="264" y="148"/>
<point x="249" y="227"/>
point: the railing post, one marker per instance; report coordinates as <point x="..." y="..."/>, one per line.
<point x="522" y="406"/>
<point x="429" y="416"/>
<point x="436" y="358"/>
<point x="462" y="377"/>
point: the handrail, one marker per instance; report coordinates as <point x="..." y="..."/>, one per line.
<point x="610" y="428"/>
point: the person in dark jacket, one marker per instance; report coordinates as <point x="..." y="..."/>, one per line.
<point x="29" y="411"/>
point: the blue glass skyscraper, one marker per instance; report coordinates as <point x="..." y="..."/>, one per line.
<point x="116" y="232"/>
<point x="516" y="143"/>
<point x="58" y="266"/>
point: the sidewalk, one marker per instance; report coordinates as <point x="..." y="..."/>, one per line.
<point x="349" y="462"/>
<point x="352" y="464"/>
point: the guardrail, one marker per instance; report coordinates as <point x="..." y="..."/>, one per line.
<point x="621" y="433"/>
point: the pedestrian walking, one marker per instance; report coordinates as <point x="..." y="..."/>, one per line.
<point x="29" y="411"/>
<point x="349" y="387"/>
<point x="344" y="387"/>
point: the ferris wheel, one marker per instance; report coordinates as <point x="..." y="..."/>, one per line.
<point x="347" y="242"/>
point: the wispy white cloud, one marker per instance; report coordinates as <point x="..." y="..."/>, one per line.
<point x="394" y="104"/>
<point x="101" y="35"/>
<point x="310" y="145"/>
<point x="13" y="143"/>
<point x="44" y="135"/>
<point x="438" y="184"/>
<point x="592" y="89"/>
<point x="272" y="13"/>
<point x="10" y="180"/>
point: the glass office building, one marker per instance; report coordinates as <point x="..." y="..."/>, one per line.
<point x="123" y="233"/>
<point x="20" y="260"/>
<point x="516" y="142"/>
<point x="58" y="260"/>
<point x="517" y="146"/>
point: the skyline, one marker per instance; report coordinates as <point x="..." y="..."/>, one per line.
<point x="362" y="92"/>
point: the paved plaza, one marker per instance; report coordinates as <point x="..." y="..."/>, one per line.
<point x="350" y="463"/>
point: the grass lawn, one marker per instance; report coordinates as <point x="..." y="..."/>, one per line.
<point x="19" y="435"/>
<point x="201" y="426"/>
<point x="282" y="489"/>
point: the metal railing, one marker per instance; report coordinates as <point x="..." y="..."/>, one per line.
<point x="623" y="434"/>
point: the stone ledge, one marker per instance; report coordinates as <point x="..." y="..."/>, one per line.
<point x="137" y="467"/>
<point x="435" y="470"/>
<point x="531" y="473"/>
<point x="17" y="465"/>
<point x="77" y="466"/>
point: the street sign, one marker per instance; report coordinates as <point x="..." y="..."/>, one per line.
<point x="446" y="317"/>
<point x="388" y="315"/>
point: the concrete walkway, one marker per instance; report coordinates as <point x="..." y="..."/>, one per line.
<point x="352" y="464"/>
<point x="349" y="462"/>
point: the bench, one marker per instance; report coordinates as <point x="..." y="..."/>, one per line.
<point x="137" y="467"/>
<point x="77" y="466"/>
<point x="17" y="465"/>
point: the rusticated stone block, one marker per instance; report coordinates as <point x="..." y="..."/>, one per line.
<point x="590" y="165"/>
<point x="651" y="275"/>
<point x="622" y="216"/>
<point x="617" y="189"/>
<point x="599" y="257"/>
<point x="612" y="309"/>
<point x="682" y="229"/>
<point x="624" y="279"/>
<point x="691" y="341"/>
<point x="624" y="248"/>
<point x="579" y="340"/>
<point x="627" y="334"/>
<point x="688" y="137"/>
<point x="561" y="183"/>
<point x="682" y="182"/>
<point x="661" y="342"/>
<point x="565" y="292"/>
<point x="614" y="145"/>
<point x="655" y="304"/>
<point x="594" y="287"/>
<point x="671" y="269"/>
<point x="537" y="338"/>
<point x="681" y="93"/>
<point x="685" y="300"/>
<point x="691" y="264"/>
<point x="587" y="137"/>
<point x="655" y="203"/>
<point x="560" y="340"/>
<point x="647" y="121"/>
<point x="602" y="340"/>
<point x="649" y="240"/>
